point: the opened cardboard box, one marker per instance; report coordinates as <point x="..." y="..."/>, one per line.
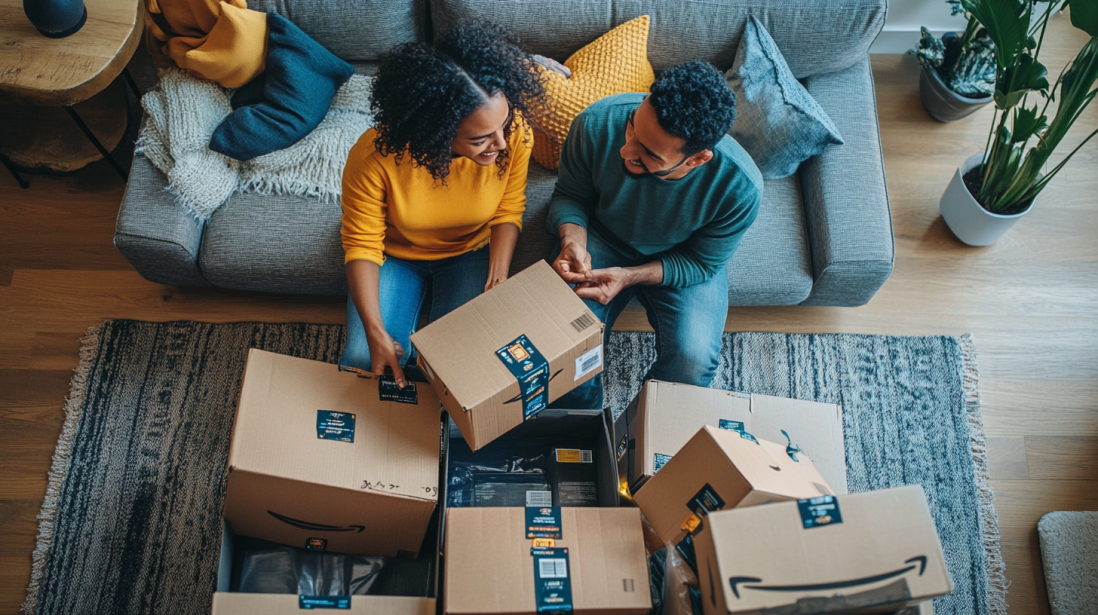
<point x="229" y="599"/>
<point x="866" y="552"/>
<point x="501" y="358"/>
<point x="719" y="469"/>
<point x="327" y="460"/>
<point x="527" y="560"/>
<point x="665" y="415"/>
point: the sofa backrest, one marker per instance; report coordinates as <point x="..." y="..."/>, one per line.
<point x="815" y="36"/>
<point x="355" y="30"/>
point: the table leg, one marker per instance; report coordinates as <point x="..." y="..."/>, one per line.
<point x="19" y="178"/>
<point x="96" y="143"/>
<point x="133" y="84"/>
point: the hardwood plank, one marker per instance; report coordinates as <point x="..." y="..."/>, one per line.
<point x="1006" y="457"/>
<point x="1022" y="503"/>
<point x="1062" y="457"/>
<point x="1022" y="556"/>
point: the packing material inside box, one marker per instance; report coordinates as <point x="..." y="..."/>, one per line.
<point x="592" y="561"/>
<point x="866" y="552"/>
<point x="501" y="358"/>
<point x="258" y="577"/>
<point x="326" y="459"/>
<point x="664" y="415"/>
<point x="721" y="468"/>
<point x="561" y="458"/>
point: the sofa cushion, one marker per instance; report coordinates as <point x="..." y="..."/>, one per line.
<point x="286" y="102"/>
<point x="615" y="63"/>
<point x="816" y="36"/>
<point x="355" y="30"/>
<point x="777" y="121"/>
<point x="280" y="244"/>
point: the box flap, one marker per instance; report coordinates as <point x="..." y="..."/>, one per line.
<point x="489" y="568"/>
<point x="462" y="345"/>
<point x="680" y="410"/>
<point x="282" y="401"/>
<point x="871" y="540"/>
<point x="287" y="604"/>
<point x="815" y="428"/>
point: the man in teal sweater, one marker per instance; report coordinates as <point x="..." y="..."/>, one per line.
<point x="652" y="199"/>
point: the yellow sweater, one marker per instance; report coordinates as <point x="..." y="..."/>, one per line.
<point x="398" y="209"/>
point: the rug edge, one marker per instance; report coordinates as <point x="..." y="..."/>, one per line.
<point x="989" y="519"/>
<point x="73" y="409"/>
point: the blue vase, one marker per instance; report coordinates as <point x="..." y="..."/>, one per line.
<point x="56" y="18"/>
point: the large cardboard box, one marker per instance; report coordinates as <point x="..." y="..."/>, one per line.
<point x="664" y="415"/>
<point x="596" y="563"/>
<point x="719" y="469"/>
<point x="229" y="602"/>
<point x="501" y="358"/>
<point x="326" y="459"/>
<point x="867" y="552"/>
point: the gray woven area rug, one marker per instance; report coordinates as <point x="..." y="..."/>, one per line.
<point x="131" y="521"/>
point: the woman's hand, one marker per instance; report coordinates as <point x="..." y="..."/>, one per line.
<point x="385" y="355"/>
<point x="552" y="65"/>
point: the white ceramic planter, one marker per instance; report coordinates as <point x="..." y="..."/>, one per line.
<point x="968" y="220"/>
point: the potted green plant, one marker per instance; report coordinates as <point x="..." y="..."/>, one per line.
<point x="958" y="75"/>
<point x="990" y="191"/>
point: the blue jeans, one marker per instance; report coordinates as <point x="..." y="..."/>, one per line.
<point x="402" y="288"/>
<point x="688" y="323"/>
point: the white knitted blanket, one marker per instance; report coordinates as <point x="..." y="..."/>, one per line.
<point x="184" y="111"/>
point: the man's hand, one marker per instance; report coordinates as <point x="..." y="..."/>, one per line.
<point x="603" y="285"/>
<point x="574" y="260"/>
<point x="385" y="353"/>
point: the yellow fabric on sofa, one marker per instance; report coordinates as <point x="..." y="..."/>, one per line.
<point x="225" y="42"/>
<point x="615" y="63"/>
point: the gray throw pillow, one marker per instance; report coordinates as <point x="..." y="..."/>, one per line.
<point x="777" y="120"/>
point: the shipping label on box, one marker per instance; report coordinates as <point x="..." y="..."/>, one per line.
<point x="503" y="357"/>
<point x="552" y="559"/>
<point x="326" y="460"/>
<point x="665" y="415"/>
<point x="719" y="469"/>
<point x="868" y="552"/>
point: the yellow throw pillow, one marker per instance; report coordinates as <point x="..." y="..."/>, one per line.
<point x="615" y="63"/>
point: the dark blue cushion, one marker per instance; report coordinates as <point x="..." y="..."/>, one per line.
<point x="297" y="89"/>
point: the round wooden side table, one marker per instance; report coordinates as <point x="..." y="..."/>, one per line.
<point x="62" y="103"/>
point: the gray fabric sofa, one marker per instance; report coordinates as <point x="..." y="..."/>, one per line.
<point x="823" y="236"/>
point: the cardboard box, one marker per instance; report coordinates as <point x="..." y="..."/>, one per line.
<point x="327" y="459"/>
<point x="227" y="602"/>
<point x="877" y="552"/>
<point x="490" y="565"/>
<point x="719" y="469"/>
<point x="532" y="325"/>
<point x="664" y="415"/>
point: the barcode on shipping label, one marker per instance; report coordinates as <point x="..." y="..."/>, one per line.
<point x="553" y="568"/>
<point x="588" y="362"/>
<point x="539" y="498"/>
<point x="572" y="455"/>
<point x="584" y="321"/>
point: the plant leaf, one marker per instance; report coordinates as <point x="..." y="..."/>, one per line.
<point x="1027" y="75"/>
<point x="1027" y="124"/>
<point x="1006" y="22"/>
<point x="1084" y="15"/>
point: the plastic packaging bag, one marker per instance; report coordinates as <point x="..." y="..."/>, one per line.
<point x="269" y="568"/>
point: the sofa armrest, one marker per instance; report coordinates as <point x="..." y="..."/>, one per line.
<point x="845" y="195"/>
<point x="159" y="238"/>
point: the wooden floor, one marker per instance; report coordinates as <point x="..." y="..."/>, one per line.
<point x="1031" y="301"/>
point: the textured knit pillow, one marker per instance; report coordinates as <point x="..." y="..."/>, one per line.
<point x="297" y="89"/>
<point x="615" y="63"/>
<point x="777" y="120"/>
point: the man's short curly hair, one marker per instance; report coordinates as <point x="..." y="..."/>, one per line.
<point x="694" y="103"/>
<point x="421" y="94"/>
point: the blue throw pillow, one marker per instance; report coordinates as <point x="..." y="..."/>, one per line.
<point x="777" y="120"/>
<point x="297" y="89"/>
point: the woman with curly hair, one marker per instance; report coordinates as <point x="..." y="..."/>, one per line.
<point x="433" y="195"/>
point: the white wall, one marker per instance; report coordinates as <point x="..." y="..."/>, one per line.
<point x="901" y="30"/>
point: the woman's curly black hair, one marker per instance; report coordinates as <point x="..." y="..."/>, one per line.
<point x="694" y="103"/>
<point x="421" y="94"/>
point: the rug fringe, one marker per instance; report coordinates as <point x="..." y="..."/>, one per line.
<point x="989" y="520"/>
<point x="74" y="407"/>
